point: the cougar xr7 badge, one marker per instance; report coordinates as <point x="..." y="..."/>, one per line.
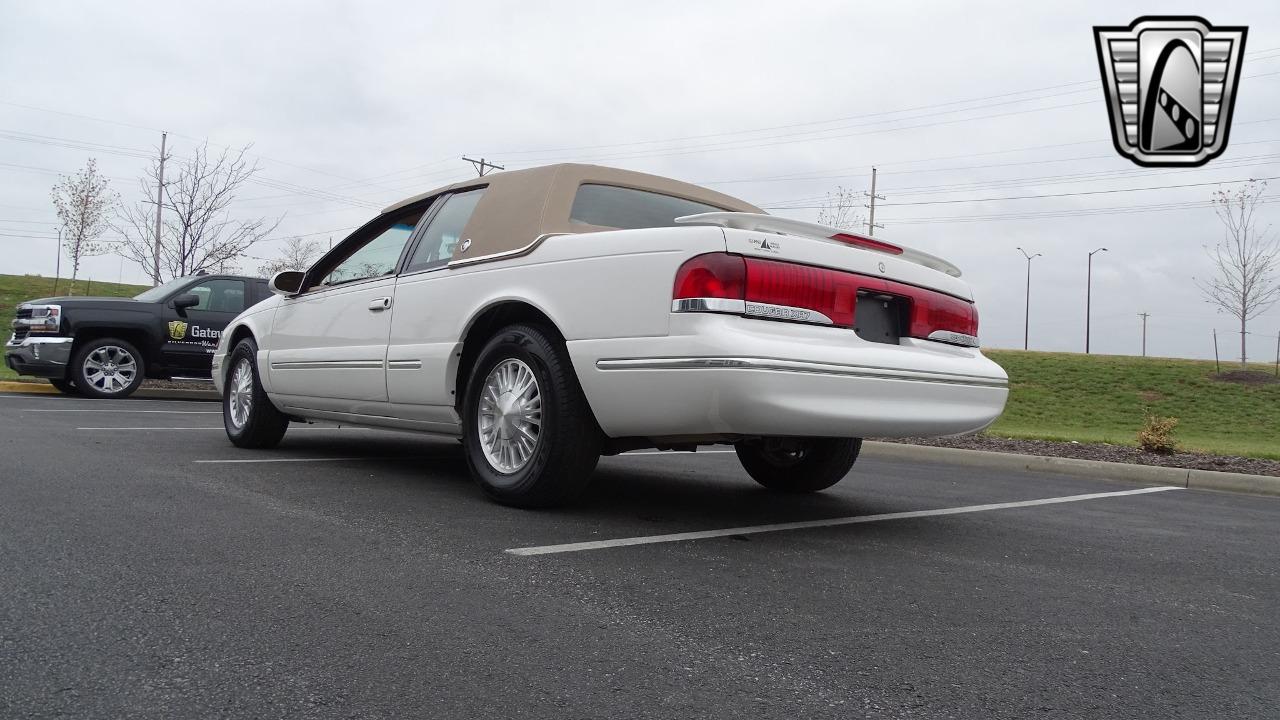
<point x="1170" y="84"/>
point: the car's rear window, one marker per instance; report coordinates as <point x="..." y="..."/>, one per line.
<point x="627" y="208"/>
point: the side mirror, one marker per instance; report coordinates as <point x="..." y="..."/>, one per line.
<point x="286" y="282"/>
<point x="182" y="302"/>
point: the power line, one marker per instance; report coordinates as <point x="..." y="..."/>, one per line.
<point x="717" y="146"/>
<point x="1093" y="82"/>
<point x="1067" y="213"/>
<point x="1039" y="197"/>
<point x="827" y="122"/>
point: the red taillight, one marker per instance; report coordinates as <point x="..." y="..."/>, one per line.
<point x="714" y="275"/>
<point x="825" y="291"/>
<point x="755" y="282"/>
<point x="868" y="243"/>
<point x="932" y="312"/>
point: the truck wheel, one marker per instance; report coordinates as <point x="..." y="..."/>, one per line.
<point x="250" y="418"/>
<point x="107" y="368"/>
<point x="529" y="435"/>
<point x="798" y="465"/>
<point x="64" y="386"/>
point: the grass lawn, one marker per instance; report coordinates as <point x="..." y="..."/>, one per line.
<point x="1102" y="398"/>
<point x="17" y="288"/>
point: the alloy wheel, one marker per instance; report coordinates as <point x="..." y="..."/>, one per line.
<point x="110" y="368"/>
<point x="510" y="416"/>
<point x="240" y="393"/>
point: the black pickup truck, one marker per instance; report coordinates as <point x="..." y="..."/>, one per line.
<point x="105" y="347"/>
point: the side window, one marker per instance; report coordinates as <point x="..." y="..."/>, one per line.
<point x="377" y="256"/>
<point x="441" y="237"/>
<point x="628" y="209"/>
<point x="219" y="295"/>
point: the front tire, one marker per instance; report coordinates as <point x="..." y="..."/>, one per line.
<point x="798" y="465"/>
<point x="107" y="368"/>
<point x="248" y="415"/>
<point x="529" y="435"/>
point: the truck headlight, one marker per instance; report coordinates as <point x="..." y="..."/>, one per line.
<point x="42" y="318"/>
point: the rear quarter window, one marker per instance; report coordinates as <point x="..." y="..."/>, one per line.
<point x="629" y="209"/>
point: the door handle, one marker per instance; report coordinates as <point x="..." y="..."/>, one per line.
<point x="379" y="304"/>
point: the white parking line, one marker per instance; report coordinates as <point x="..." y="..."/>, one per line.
<point x="285" y="460"/>
<point x="674" y="452"/>
<point x="103" y="401"/>
<point x="222" y="429"/>
<point x="99" y="410"/>
<point x="804" y="524"/>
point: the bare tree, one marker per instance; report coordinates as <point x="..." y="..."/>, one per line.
<point x="841" y="210"/>
<point x="82" y="203"/>
<point x="198" y="233"/>
<point x="298" y="254"/>
<point x="1246" y="261"/>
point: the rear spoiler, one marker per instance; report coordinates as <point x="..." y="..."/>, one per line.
<point x="773" y="224"/>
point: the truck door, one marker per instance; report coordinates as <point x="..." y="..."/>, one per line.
<point x="191" y="334"/>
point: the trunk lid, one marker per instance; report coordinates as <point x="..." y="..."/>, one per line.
<point x="796" y="241"/>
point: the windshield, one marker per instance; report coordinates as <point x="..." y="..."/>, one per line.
<point x="159" y="292"/>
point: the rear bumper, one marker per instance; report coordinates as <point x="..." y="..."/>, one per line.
<point x="45" y="357"/>
<point x="738" y="376"/>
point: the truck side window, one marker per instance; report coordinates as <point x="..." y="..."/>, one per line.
<point x="221" y="295"/>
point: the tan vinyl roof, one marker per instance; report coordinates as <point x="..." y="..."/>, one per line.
<point x="522" y="205"/>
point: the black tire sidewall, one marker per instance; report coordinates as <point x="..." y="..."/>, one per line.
<point x="85" y="388"/>
<point x="529" y="486"/>
<point x="66" y="386"/>
<point x="826" y="463"/>
<point x="265" y="425"/>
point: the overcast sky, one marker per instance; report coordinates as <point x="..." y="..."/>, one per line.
<point x="776" y="103"/>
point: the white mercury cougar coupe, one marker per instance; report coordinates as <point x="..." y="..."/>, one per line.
<point x="551" y="315"/>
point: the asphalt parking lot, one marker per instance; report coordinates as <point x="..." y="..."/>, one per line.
<point x="151" y="569"/>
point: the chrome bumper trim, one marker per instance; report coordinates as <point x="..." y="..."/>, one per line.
<point x="953" y="338"/>
<point x="31" y="340"/>
<point x="796" y="366"/>
<point x="750" y="309"/>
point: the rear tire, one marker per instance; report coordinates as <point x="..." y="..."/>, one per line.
<point x="106" y="368"/>
<point x="798" y="465"/>
<point x="529" y="435"/>
<point x="64" y="386"/>
<point x="249" y="417"/>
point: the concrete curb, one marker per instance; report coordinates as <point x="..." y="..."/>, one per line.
<point x="34" y="388"/>
<point x="1095" y="469"/>
<point x="9" y="386"/>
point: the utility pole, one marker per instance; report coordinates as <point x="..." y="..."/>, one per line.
<point x="871" y="219"/>
<point x="1088" y="300"/>
<point x="1026" y="328"/>
<point x="482" y="166"/>
<point x="1144" y="317"/>
<point x="1278" y="354"/>
<point x="159" y="207"/>
<point x="1217" y="365"/>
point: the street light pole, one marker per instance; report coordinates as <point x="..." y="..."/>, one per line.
<point x="1026" y="326"/>
<point x="1088" y="300"/>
